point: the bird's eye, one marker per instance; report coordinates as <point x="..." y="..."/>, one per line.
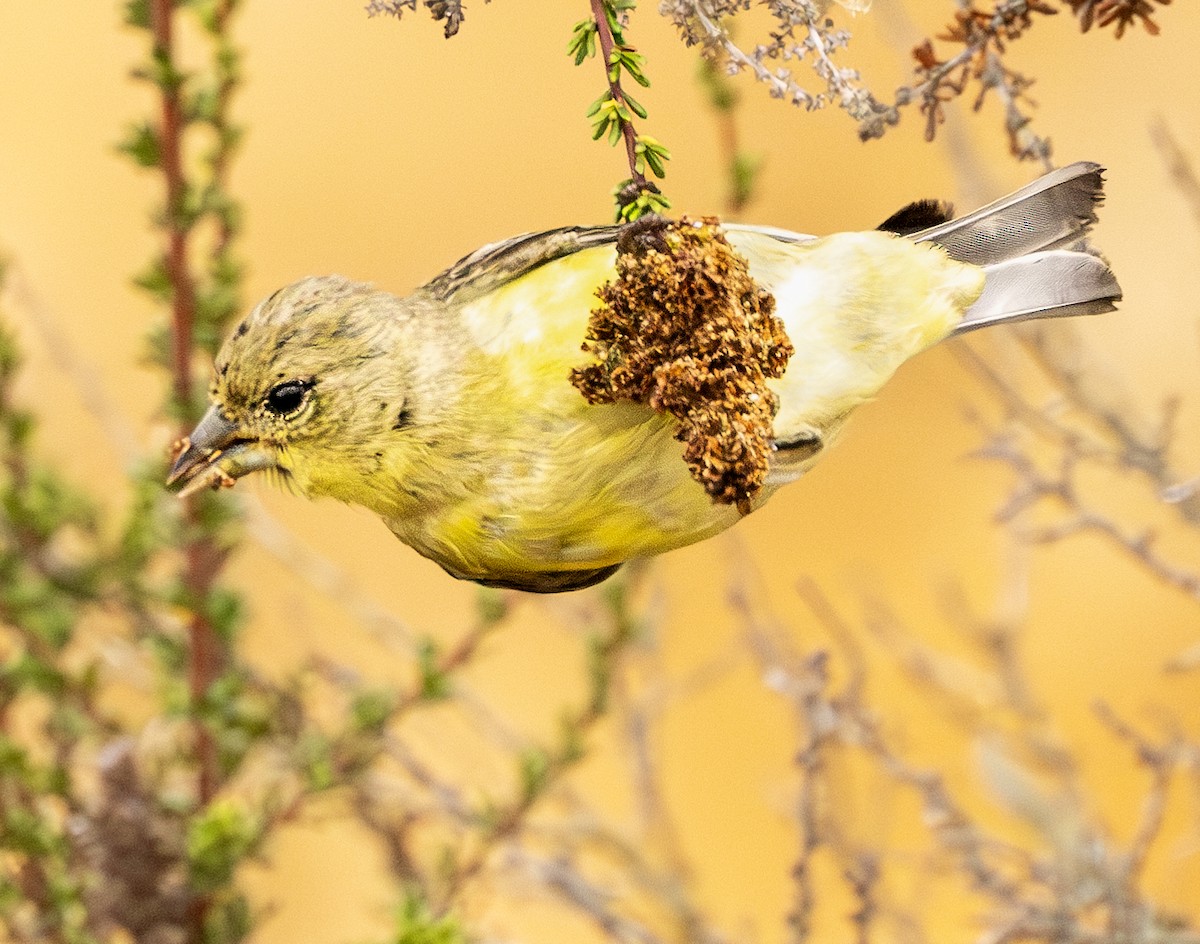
<point x="286" y="397"/>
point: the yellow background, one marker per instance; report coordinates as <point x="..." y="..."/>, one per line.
<point x="383" y="152"/>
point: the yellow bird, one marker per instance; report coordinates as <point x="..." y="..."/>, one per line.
<point x="449" y="412"/>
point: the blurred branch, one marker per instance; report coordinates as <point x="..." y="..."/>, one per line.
<point x="1108" y="430"/>
<point x="1033" y="486"/>
<point x="741" y="167"/>
<point x="541" y="768"/>
<point x="170" y="137"/>
<point x="1075" y="884"/>
<point x="1178" y="165"/>
<point x="1142" y="444"/>
<point x="323" y="575"/>
<point x="563" y="878"/>
<point x="1162" y="761"/>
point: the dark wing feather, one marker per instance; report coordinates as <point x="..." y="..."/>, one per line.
<point x="495" y="264"/>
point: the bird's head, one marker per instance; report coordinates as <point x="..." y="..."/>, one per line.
<point x="301" y="385"/>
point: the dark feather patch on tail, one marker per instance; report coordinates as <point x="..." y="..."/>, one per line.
<point x="917" y="216"/>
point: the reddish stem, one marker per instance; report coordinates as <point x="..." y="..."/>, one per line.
<point x="202" y="560"/>
<point x="220" y="165"/>
<point x="183" y="297"/>
<point x="607" y="43"/>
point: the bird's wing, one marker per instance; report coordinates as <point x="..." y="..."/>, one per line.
<point x="854" y="307"/>
<point x="495" y="264"/>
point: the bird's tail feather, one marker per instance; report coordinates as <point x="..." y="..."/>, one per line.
<point x="1051" y="284"/>
<point x="1055" y="210"/>
<point x="1022" y="243"/>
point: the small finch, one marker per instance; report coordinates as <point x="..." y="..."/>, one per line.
<point x="451" y="412"/>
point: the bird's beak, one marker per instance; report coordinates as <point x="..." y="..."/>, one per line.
<point x="216" y="454"/>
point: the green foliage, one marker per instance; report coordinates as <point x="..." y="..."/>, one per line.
<point x="629" y="61"/>
<point x="239" y="714"/>
<point x="650" y="153"/>
<point x="582" y="44"/>
<point x="314" y="756"/>
<point x="722" y="95"/>
<point x="201" y="206"/>
<point x="742" y="169"/>
<point x="370" y="710"/>
<point x="634" y="201"/>
<point x="224" y="611"/>
<point x="743" y="178"/>
<point x="229" y="919"/>
<point x="34" y="846"/>
<point x="534" y="767"/>
<point x="141" y="142"/>
<point x="609" y="117"/>
<point x="491" y="605"/>
<point x="218" y="838"/>
<point x="52" y="566"/>
<point x="137" y="14"/>
<point x="612" y="113"/>
<point x="417" y="924"/>
<point x="433" y="682"/>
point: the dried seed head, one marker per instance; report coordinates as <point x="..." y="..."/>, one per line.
<point x="686" y="330"/>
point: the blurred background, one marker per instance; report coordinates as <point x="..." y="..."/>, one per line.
<point x="382" y="151"/>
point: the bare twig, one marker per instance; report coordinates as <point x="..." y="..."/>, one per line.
<point x="561" y="877"/>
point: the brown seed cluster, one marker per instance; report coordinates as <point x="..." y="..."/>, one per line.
<point x="685" y="329"/>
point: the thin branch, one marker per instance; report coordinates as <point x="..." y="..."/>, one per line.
<point x="607" y="44"/>
<point x="1162" y="761"/>
<point x="1179" y="165"/>
<point x="324" y="575"/>
<point x="183" y="298"/>
<point x="561" y="877"/>
<point x="1103" y="396"/>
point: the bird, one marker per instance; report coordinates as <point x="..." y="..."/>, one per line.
<point x="449" y="413"/>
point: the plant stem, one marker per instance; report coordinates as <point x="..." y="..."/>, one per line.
<point x="183" y="296"/>
<point x="576" y="726"/>
<point x="607" y="43"/>
<point x="220" y="161"/>
<point x="202" y="558"/>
